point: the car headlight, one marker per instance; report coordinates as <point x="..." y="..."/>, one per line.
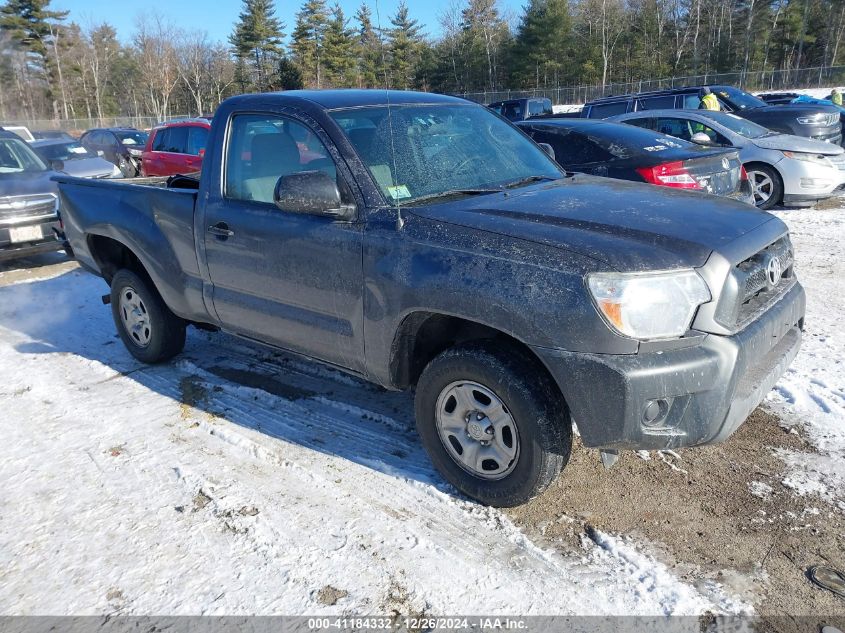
<point x="134" y="152"/>
<point x="813" y="119"/>
<point x="648" y="305"/>
<point x="819" y="159"/>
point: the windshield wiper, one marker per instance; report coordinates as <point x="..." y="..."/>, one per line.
<point x="452" y="192"/>
<point x="525" y="181"/>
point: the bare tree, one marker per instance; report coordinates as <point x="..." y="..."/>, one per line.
<point x="157" y="61"/>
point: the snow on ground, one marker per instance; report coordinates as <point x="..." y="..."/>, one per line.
<point x="241" y="481"/>
<point x="812" y="392"/>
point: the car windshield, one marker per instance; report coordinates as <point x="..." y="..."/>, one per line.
<point x="739" y="98"/>
<point x="736" y="124"/>
<point x="63" y="151"/>
<point x="16" y="157"/>
<point x="132" y="138"/>
<point x="423" y="151"/>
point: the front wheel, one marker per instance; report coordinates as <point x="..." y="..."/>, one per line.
<point x="493" y="423"/>
<point x="150" y="331"/>
<point x="766" y="185"/>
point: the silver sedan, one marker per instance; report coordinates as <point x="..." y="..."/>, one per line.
<point x="782" y="168"/>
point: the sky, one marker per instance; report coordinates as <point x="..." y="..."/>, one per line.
<point x="217" y="16"/>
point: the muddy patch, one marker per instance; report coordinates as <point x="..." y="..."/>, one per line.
<point x="329" y="595"/>
<point x="717" y="512"/>
<point x="260" y="381"/>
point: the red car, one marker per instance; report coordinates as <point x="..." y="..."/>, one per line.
<point x="175" y="148"/>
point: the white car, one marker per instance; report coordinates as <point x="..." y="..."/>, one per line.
<point x="782" y="168"/>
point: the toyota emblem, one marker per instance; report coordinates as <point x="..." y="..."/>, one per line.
<point x="774" y="270"/>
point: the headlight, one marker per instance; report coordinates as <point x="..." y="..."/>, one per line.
<point x="819" y="159"/>
<point x="648" y="305"/>
<point x="813" y="119"/>
<point x="134" y="152"/>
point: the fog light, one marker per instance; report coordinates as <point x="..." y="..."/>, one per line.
<point x="655" y="412"/>
<point x="814" y="183"/>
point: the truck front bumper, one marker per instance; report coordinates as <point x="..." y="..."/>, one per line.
<point x="679" y="397"/>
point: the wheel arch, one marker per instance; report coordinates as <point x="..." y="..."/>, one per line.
<point x="422" y="335"/>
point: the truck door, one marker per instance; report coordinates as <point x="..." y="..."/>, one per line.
<point x="290" y="279"/>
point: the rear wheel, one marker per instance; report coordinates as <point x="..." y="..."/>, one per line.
<point x="493" y="423"/>
<point x="766" y="185"/>
<point x="150" y="331"/>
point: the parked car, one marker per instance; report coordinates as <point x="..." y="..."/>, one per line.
<point x="782" y="168"/>
<point x="778" y="98"/>
<point x="175" y="148"/>
<point x="52" y="134"/>
<point x="70" y="157"/>
<point x="120" y="146"/>
<point x="28" y="202"/>
<point x="820" y="122"/>
<point x="20" y="131"/>
<point x="510" y="294"/>
<point x="522" y="109"/>
<point x="628" y="153"/>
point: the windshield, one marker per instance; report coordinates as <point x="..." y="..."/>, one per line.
<point x="16" y="157"/>
<point x="63" y="151"/>
<point x="736" y="124"/>
<point x="739" y="98"/>
<point x="423" y="150"/>
<point x="132" y="138"/>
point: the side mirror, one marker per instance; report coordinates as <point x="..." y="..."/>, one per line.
<point x="548" y="149"/>
<point x="701" y="138"/>
<point x="57" y="165"/>
<point x="312" y="193"/>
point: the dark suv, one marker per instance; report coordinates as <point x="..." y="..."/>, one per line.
<point x="812" y="121"/>
<point x="522" y="109"/>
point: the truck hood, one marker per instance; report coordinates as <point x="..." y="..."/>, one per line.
<point x="27" y="183"/>
<point x="626" y="225"/>
<point x="793" y="143"/>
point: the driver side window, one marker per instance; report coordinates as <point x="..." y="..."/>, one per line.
<point x="262" y="148"/>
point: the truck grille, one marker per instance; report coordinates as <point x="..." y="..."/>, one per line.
<point x="761" y="280"/>
<point x="19" y="209"/>
<point x="755" y="284"/>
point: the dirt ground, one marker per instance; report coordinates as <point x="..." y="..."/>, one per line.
<point x="699" y="513"/>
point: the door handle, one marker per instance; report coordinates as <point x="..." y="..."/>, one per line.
<point x="221" y="231"/>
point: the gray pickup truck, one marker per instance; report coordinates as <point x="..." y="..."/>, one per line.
<point x="421" y="241"/>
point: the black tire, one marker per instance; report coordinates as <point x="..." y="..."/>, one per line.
<point x="165" y="335"/>
<point x="776" y="195"/>
<point x="541" y="417"/>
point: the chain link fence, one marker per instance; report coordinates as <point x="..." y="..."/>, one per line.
<point x="77" y="126"/>
<point x="767" y="80"/>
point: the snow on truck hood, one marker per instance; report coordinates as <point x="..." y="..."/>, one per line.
<point x="628" y="226"/>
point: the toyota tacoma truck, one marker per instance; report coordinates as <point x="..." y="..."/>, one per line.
<point x="423" y="242"/>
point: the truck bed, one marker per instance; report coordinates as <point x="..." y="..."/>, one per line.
<point x="152" y="217"/>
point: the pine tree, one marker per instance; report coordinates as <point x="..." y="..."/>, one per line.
<point x="404" y="43"/>
<point x="257" y="41"/>
<point x="307" y="41"/>
<point x="369" y="50"/>
<point x="542" y="48"/>
<point x="34" y="27"/>
<point x="339" y="50"/>
<point x="288" y="75"/>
